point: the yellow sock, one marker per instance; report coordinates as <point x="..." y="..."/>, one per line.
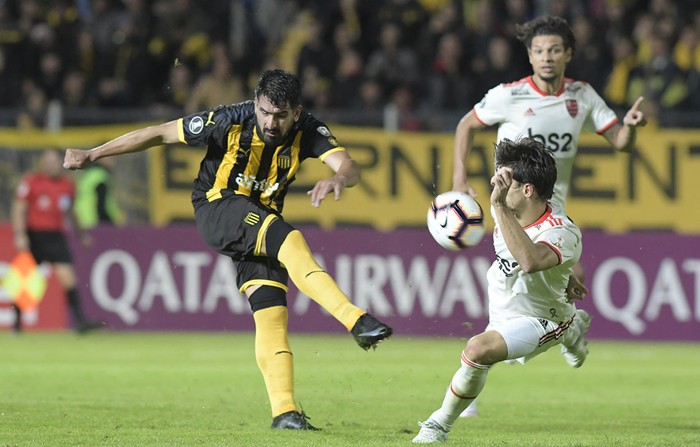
<point x="315" y="282"/>
<point x="274" y="357"/>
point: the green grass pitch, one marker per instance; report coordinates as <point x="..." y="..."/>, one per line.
<point x="200" y="389"/>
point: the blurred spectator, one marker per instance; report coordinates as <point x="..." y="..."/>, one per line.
<point x="592" y="57"/>
<point x="316" y="93"/>
<point x="659" y="80"/>
<point x="451" y="85"/>
<point x="371" y="96"/>
<point x="32" y="112"/>
<point x="271" y="19"/>
<point x="345" y="91"/>
<point x="517" y="12"/>
<point x="75" y="91"/>
<point x="93" y="53"/>
<point x="445" y="20"/>
<point x="568" y="9"/>
<point x="686" y="54"/>
<point x="50" y="76"/>
<point x="499" y="66"/>
<point x="220" y="86"/>
<point x="483" y="27"/>
<point x="391" y="64"/>
<point x="172" y="98"/>
<point x="318" y="51"/>
<point x="408" y="15"/>
<point x="624" y="60"/>
<point x="400" y="112"/>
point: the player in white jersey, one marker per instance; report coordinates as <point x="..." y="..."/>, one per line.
<point x="536" y="247"/>
<point x="546" y="106"/>
<point x="549" y="107"/>
<point x="556" y="120"/>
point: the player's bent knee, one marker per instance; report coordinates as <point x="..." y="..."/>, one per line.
<point x="267" y="296"/>
<point x="476" y="350"/>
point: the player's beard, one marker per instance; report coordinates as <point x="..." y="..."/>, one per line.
<point x="274" y="139"/>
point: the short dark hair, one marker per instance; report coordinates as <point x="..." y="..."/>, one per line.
<point x="280" y="87"/>
<point x="530" y="161"/>
<point x="547" y="26"/>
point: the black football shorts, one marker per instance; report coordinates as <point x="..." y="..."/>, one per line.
<point x="49" y="246"/>
<point x="235" y="226"/>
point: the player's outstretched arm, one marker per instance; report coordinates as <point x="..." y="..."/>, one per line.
<point x="135" y="141"/>
<point x="347" y="175"/>
<point x="464" y="140"/>
<point x="622" y="137"/>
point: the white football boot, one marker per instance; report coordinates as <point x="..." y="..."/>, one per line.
<point x="430" y="433"/>
<point x="575" y="353"/>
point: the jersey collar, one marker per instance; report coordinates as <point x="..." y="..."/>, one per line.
<point x="542" y="92"/>
<point x="543" y="217"/>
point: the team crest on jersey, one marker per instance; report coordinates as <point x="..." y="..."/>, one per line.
<point x="572" y="107"/>
<point x="251" y="218"/>
<point x="284" y="161"/>
<point x="323" y="130"/>
<point x="196" y="125"/>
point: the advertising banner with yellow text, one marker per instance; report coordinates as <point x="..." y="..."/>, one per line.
<point x="654" y="187"/>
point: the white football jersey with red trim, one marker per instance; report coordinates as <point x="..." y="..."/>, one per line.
<point x="523" y="110"/>
<point x="514" y="293"/>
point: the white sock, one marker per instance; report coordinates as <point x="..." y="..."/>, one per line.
<point x="466" y="384"/>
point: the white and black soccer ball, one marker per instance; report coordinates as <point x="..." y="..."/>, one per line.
<point x="456" y="220"/>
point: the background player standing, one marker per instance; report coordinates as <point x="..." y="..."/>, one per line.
<point x="42" y="204"/>
<point x="536" y="248"/>
<point x="254" y="150"/>
<point x="550" y="108"/>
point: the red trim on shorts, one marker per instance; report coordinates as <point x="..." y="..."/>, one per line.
<point x="556" y="333"/>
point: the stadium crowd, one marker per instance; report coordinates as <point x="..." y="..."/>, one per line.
<point x="175" y="56"/>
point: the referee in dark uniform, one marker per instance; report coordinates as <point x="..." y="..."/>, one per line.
<point x="254" y="150"/>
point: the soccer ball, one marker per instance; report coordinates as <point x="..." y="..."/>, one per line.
<point x="456" y="220"/>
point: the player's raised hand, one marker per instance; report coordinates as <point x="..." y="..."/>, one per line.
<point x="76" y="159"/>
<point x="323" y="187"/>
<point x="635" y="117"/>
<point x="501" y="182"/>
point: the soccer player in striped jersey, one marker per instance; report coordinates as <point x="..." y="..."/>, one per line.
<point x="548" y="107"/>
<point x="536" y="247"/>
<point x="254" y="150"/>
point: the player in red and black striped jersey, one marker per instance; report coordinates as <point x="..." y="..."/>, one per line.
<point x="253" y="152"/>
<point x="43" y="203"/>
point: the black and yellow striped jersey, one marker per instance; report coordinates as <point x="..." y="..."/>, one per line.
<point x="238" y="161"/>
